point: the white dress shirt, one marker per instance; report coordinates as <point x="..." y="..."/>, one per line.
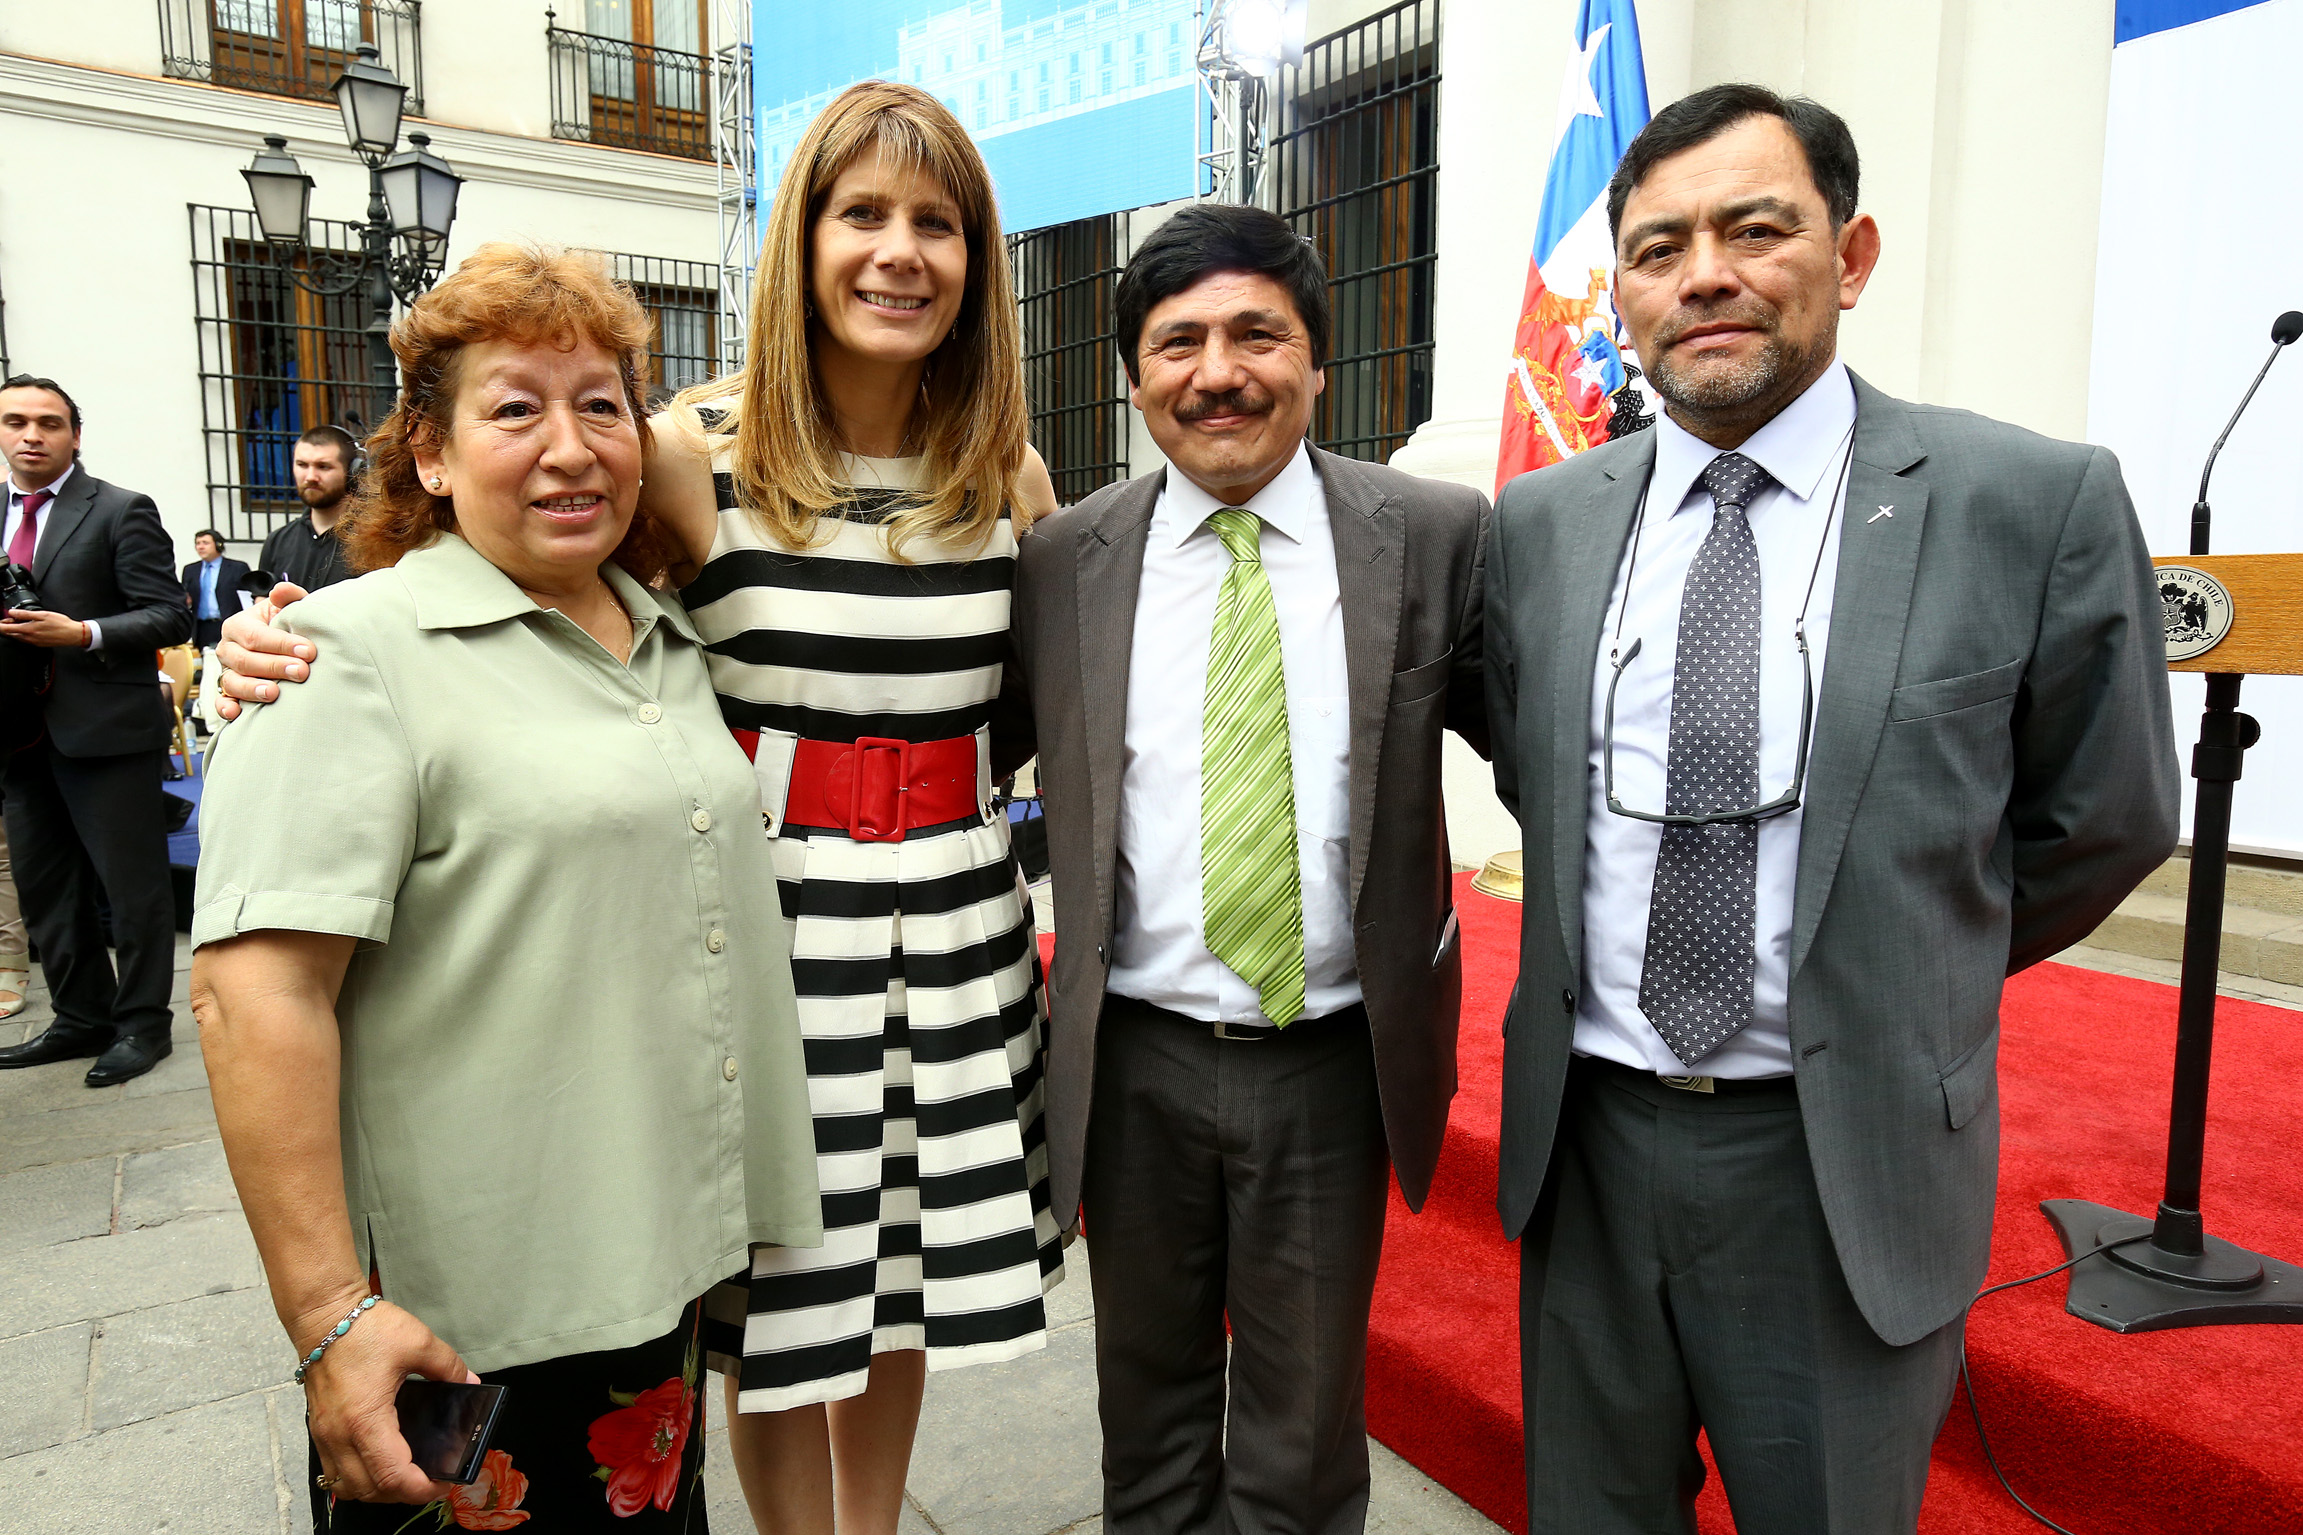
<point x="15" y="520"/>
<point x="1804" y="448"/>
<point x="1159" y="946"/>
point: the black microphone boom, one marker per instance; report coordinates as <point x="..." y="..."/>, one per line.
<point x="2284" y="332"/>
<point x="2169" y="1271"/>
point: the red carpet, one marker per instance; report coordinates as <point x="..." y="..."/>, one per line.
<point x="2197" y="1430"/>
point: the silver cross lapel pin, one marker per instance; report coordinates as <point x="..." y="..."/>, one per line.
<point x="1885" y="511"/>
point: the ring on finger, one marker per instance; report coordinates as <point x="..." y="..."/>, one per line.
<point x="323" y="1481"/>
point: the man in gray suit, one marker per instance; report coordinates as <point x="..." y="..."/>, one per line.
<point x="1239" y="669"/>
<point x="1750" y="1087"/>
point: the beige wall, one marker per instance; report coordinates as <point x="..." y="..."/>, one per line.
<point x="1980" y="123"/>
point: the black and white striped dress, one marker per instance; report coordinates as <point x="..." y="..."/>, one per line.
<point x="916" y="962"/>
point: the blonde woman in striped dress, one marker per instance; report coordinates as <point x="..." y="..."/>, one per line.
<point x="851" y="501"/>
<point x="848" y="504"/>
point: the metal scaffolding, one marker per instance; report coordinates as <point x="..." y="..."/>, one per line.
<point x="1244" y="45"/>
<point x="1231" y="169"/>
<point x="735" y="160"/>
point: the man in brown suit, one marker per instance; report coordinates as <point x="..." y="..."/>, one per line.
<point x="1231" y="1133"/>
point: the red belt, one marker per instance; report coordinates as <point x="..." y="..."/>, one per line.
<point x="876" y="789"/>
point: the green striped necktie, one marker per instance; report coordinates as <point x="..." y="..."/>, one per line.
<point x="1251" y="896"/>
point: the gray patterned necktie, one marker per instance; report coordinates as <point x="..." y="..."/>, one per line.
<point x="1696" y="984"/>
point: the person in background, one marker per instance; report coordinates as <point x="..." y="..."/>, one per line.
<point x="527" y="1062"/>
<point x="848" y="506"/>
<point x="211" y="586"/>
<point x="15" y="960"/>
<point x="306" y="551"/>
<point x="86" y="815"/>
<point x="1750" y="1085"/>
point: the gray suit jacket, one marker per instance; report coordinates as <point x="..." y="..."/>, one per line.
<point x="1408" y="555"/>
<point x="1992" y="770"/>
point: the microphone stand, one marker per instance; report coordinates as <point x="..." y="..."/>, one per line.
<point x="2181" y="1276"/>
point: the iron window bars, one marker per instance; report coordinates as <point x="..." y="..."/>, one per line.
<point x="1355" y="162"/>
<point x="289" y="47"/>
<point x="629" y="95"/>
<point x="1066" y="276"/>
<point x="682" y="297"/>
<point x="275" y="359"/>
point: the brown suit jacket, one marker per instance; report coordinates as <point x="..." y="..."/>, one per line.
<point x="1409" y="557"/>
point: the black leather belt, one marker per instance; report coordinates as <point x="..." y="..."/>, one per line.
<point x="1239" y="1031"/>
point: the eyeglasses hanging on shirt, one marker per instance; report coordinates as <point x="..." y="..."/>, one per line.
<point x="1619" y="659"/>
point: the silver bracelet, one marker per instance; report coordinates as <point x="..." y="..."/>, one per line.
<point x="334" y="1333"/>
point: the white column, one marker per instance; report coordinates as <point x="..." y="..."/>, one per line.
<point x="1501" y="64"/>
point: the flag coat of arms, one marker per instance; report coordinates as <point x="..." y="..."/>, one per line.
<point x="1566" y="356"/>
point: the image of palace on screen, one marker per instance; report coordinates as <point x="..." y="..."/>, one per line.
<point x="1004" y="66"/>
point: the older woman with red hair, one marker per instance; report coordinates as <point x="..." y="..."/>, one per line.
<point x="494" y="993"/>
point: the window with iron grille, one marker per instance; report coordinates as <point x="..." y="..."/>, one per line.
<point x="1355" y="163"/>
<point x="683" y="298"/>
<point x="635" y="78"/>
<point x="289" y="47"/>
<point x="274" y="360"/>
<point x="1066" y="276"/>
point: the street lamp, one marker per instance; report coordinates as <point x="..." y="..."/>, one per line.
<point x="411" y="206"/>
<point x="420" y="188"/>
<point x="371" y="98"/>
<point x="281" y="191"/>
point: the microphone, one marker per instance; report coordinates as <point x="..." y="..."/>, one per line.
<point x="2284" y="331"/>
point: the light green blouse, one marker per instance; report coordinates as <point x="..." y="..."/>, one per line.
<point x="573" y="1091"/>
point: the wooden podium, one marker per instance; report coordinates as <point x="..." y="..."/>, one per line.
<point x="2229" y="616"/>
<point x="2266" y="636"/>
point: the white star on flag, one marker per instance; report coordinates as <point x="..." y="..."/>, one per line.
<point x="1577" y="98"/>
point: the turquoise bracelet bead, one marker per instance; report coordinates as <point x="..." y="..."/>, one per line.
<point x="338" y="1331"/>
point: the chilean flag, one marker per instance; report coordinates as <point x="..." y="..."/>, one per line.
<point x="1565" y="357"/>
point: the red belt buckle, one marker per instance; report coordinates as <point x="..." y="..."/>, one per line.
<point x="872" y="786"/>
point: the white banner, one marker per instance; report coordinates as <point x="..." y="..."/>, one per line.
<point x="2201" y="248"/>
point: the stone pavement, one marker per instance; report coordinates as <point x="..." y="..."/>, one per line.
<point x="145" y="1379"/>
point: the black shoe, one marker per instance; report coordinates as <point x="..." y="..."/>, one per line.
<point x="58" y="1042"/>
<point x="128" y="1060"/>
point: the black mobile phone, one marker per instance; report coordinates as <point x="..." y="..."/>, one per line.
<point x="447" y="1425"/>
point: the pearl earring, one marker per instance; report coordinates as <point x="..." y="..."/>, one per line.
<point x="435" y="482"/>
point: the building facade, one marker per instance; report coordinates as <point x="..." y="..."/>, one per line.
<point x="1409" y="143"/>
<point x="130" y="261"/>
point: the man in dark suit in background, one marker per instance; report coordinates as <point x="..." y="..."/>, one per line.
<point x="84" y="802"/>
<point x="1239" y="670"/>
<point x="211" y="586"/>
<point x="1750" y="1096"/>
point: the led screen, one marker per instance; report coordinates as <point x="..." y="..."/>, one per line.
<point x="1079" y="108"/>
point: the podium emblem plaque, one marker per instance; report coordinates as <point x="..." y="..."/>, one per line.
<point x="2196" y="608"/>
